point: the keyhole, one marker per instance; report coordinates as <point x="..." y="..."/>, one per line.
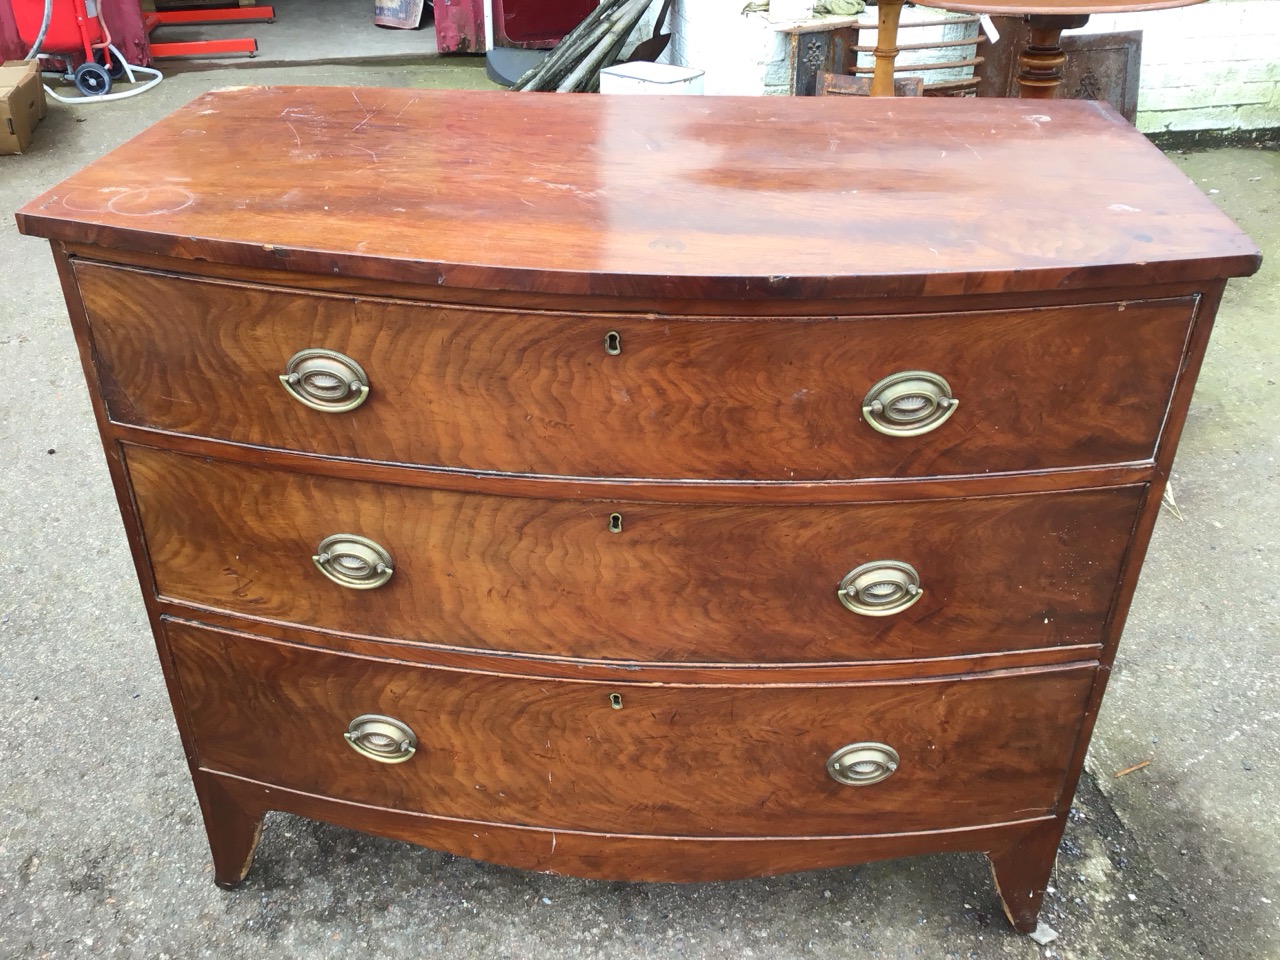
<point x="612" y="343"/>
<point x="615" y="523"/>
<point x="615" y="701"/>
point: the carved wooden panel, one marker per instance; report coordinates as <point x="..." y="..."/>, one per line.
<point x="816" y="52"/>
<point x="1101" y="66"/>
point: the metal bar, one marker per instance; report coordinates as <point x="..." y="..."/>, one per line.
<point x="219" y="15"/>
<point x="197" y="48"/>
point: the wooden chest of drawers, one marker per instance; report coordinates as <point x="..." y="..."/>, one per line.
<point x="715" y="488"/>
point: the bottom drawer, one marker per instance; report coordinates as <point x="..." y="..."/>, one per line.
<point x="628" y="757"/>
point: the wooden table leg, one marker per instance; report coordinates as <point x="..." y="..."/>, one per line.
<point x="886" y="48"/>
<point x="1043" y="58"/>
<point x="233" y="829"/>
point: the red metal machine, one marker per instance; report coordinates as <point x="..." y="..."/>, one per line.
<point x="73" y="31"/>
<point x="203" y="48"/>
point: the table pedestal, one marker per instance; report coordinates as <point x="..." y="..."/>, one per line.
<point x="1043" y="59"/>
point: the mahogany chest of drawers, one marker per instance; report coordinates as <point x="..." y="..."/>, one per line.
<point x="702" y="489"/>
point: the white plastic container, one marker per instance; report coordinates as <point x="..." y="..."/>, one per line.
<point x="650" y="78"/>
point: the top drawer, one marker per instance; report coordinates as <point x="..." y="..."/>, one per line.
<point x="613" y="395"/>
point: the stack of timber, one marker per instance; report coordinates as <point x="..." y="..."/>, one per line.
<point x="597" y="42"/>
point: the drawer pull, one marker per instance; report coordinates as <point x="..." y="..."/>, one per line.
<point x="908" y="404"/>
<point x="354" y="562"/>
<point x="880" y="588"/>
<point x="862" y="764"/>
<point x="384" y="739"/>
<point x="325" y="380"/>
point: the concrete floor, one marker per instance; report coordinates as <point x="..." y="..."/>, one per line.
<point x="101" y="848"/>
<point x="304" y="32"/>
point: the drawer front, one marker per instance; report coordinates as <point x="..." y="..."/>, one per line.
<point x="778" y="399"/>
<point x="681" y="583"/>
<point x="661" y="760"/>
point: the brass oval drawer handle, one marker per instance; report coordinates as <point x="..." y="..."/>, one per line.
<point x="908" y="404"/>
<point x="880" y="588"/>
<point x="380" y="738"/>
<point x="862" y="764"/>
<point x="325" y="380"/>
<point x="354" y="562"/>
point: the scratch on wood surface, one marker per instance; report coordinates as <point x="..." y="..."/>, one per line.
<point x="966" y="145"/>
<point x="368" y="114"/>
<point x="297" y="139"/>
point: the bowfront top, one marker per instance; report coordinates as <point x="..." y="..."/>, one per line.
<point x="652" y="196"/>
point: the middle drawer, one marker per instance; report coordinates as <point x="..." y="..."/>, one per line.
<point x="637" y="581"/>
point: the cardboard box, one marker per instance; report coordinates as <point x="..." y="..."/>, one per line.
<point x="22" y="104"/>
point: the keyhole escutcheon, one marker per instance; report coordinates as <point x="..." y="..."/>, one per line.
<point x="612" y="343"/>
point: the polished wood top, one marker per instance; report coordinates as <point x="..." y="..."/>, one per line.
<point x="1058" y="7"/>
<point x="768" y="197"/>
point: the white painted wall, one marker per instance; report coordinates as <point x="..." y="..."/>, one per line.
<point x="1214" y="66"/>
<point x="744" y="55"/>
<point x="741" y="53"/>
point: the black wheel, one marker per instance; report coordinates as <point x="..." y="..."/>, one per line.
<point x="92" y="79"/>
<point x="116" y="70"/>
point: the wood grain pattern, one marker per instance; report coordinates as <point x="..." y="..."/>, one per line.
<point x="1022" y="869"/>
<point x="679" y="583"/>
<point x="764" y="262"/>
<point x="679" y="761"/>
<point x="233" y="829"/>
<point x="541" y="486"/>
<point x="619" y="857"/>
<point x="559" y="667"/>
<point x="708" y="399"/>
<point x="658" y="198"/>
<point x="938" y="302"/>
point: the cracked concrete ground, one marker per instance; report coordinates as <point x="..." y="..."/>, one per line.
<point x="101" y="848"/>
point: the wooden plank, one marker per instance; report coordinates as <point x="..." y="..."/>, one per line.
<point x="935" y="45"/>
<point x="913" y="67"/>
<point x="945" y="22"/>
<point x="838" y="85"/>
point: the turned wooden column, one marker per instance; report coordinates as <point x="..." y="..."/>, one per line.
<point x="1043" y="58"/>
<point x="886" y="51"/>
